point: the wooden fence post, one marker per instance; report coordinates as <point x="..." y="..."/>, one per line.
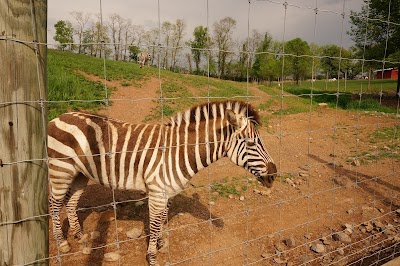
<point x="23" y="131"/>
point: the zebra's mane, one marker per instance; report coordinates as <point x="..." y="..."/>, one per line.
<point x="239" y="107"/>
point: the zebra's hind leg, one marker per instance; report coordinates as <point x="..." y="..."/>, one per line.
<point x="75" y="192"/>
<point x="157" y="210"/>
<point x="161" y="242"/>
<point x="56" y="204"/>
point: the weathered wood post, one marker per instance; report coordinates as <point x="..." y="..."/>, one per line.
<point x="23" y="123"/>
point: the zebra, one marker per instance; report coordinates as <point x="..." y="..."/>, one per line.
<point x="158" y="159"/>
<point x="143" y="58"/>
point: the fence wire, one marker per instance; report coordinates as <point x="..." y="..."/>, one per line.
<point x="381" y="245"/>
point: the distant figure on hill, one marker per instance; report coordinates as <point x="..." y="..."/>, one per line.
<point x="143" y="58"/>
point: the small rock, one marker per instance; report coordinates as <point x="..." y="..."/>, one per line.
<point x="304" y="174"/>
<point x="231" y="196"/>
<point x="322" y="105"/>
<point x="279" y="247"/>
<point x="139" y="203"/>
<point x="280" y="260"/>
<point x="134" y="233"/>
<point x="381" y="210"/>
<point x="307" y="236"/>
<point x="94" y="235"/>
<point x="379" y="225"/>
<point x="211" y="203"/>
<point x="341" y="237"/>
<point x="107" y="216"/>
<point x="289" y="181"/>
<point x="318" y="248"/>
<point x="350" y="211"/>
<point x="266" y="192"/>
<point x="86" y="250"/>
<point x="241" y="198"/>
<point x="356" y="162"/>
<point x="256" y="191"/>
<point x="266" y="255"/>
<point x="111" y="256"/>
<point x="326" y="241"/>
<point x="290" y="242"/>
<point x="340" y="251"/>
<point x="343" y="181"/>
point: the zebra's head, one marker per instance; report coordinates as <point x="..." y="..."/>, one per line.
<point x="247" y="148"/>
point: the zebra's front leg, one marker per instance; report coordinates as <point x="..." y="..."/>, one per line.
<point x="158" y="210"/>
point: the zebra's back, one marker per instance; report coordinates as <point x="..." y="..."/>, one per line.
<point x="110" y="152"/>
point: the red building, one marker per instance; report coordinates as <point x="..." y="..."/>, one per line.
<point x="388" y="73"/>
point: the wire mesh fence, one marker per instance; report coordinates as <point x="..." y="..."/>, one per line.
<point x="335" y="199"/>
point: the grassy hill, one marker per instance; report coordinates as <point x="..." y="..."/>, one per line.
<point x="69" y="89"/>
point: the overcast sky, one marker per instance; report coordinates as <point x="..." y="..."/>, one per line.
<point x="267" y="15"/>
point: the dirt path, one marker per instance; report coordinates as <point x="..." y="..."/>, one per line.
<point x="130" y="103"/>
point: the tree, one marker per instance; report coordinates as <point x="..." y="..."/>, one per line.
<point x="335" y="59"/>
<point x="133" y="52"/>
<point x="267" y="65"/>
<point x="64" y="34"/>
<point x="298" y="63"/>
<point x="116" y="25"/>
<point x="198" y="45"/>
<point x="370" y="29"/>
<point x="82" y="20"/>
<point x="166" y="30"/>
<point x="177" y="36"/>
<point x="223" y="30"/>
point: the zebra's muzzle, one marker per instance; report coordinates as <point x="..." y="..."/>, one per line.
<point x="268" y="178"/>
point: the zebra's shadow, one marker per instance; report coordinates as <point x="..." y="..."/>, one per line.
<point x="96" y="195"/>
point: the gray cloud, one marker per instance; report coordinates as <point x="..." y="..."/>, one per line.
<point x="265" y="15"/>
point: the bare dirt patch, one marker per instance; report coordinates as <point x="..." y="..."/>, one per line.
<point x="321" y="191"/>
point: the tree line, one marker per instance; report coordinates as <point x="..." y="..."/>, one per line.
<point x="216" y="51"/>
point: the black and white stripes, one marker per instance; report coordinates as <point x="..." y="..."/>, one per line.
<point x="156" y="159"/>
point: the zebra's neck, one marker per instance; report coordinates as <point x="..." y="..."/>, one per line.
<point x="202" y="140"/>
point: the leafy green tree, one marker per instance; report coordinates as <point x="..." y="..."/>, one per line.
<point x="299" y="62"/>
<point x="64" y="34"/>
<point x="331" y="62"/>
<point x="199" y="43"/>
<point x="370" y="34"/>
<point x="133" y="52"/>
<point x="267" y="65"/>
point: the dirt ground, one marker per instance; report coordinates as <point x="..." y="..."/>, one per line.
<point x="329" y="182"/>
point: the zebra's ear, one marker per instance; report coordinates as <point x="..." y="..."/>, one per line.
<point x="232" y="118"/>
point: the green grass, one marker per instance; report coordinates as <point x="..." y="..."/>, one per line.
<point x="227" y="187"/>
<point x="68" y="90"/>
<point x="350" y="86"/>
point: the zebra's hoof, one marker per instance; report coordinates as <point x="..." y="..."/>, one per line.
<point x="83" y="239"/>
<point x="65" y="247"/>
<point x="163" y="247"/>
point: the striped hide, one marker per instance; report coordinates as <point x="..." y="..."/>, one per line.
<point x="153" y="158"/>
<point x="143" y="58"/>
